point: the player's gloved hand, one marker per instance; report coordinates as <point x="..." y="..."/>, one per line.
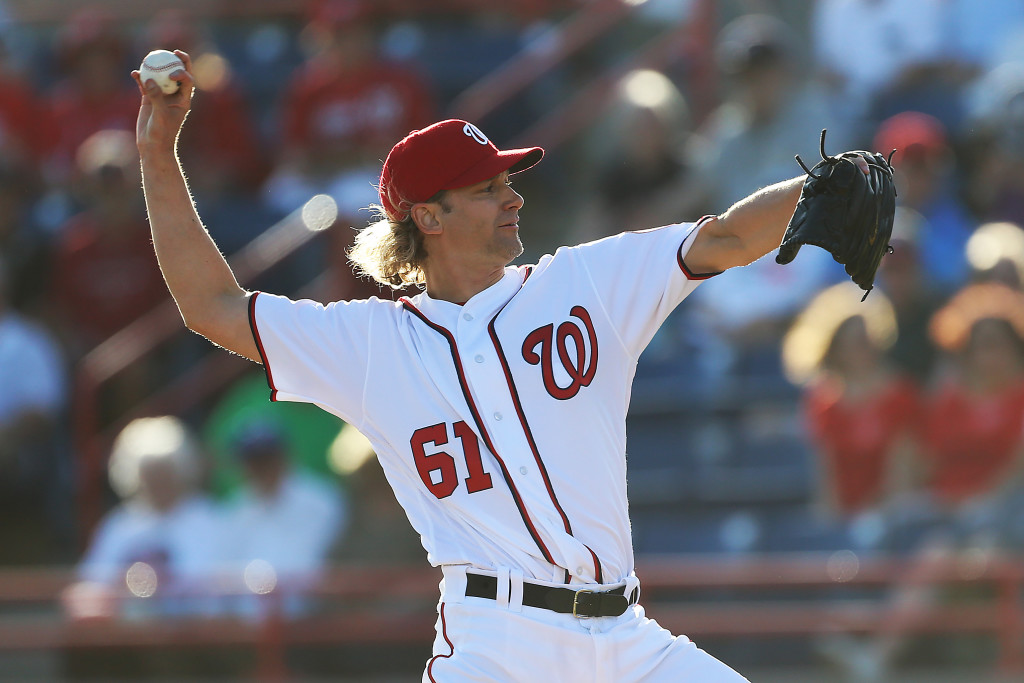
<point x="845" y="211"/>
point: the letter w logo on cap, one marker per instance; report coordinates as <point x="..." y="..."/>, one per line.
<point x="472" y="131"/>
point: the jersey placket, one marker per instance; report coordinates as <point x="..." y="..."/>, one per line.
<point x="490" y="391"/>
<point x="492" y="381"/>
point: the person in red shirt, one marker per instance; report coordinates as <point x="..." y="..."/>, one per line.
<point x="970" y="492"/>
<point x="859" y="411"/>
<point x="92" y="95"/>
<point x="22" y="121"/>
<point x="343" y="109"/>
<point x="973" y="428"/>
<point x="223" y="146"/>
<point x="860" y="414"/>
<point x="105" y="275"/>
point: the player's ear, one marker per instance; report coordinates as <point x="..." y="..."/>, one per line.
<point x="426" y="218"/>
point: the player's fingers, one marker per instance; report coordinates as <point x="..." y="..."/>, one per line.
<point x="184" y="57"/>
<point x="138" y="82"/>
<point x="184" y="77"/>
<point x="148" y="88"/>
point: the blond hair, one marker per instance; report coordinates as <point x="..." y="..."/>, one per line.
<point x="152" y="439"/>
<point x="806" y="344"/>
<point x="392" y="251"/>
<point x="950" y="326"/>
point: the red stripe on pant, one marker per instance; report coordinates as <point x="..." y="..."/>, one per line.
<point x="444" y="634"/>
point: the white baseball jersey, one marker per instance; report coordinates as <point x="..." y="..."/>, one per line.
<point x="500" y="423"/>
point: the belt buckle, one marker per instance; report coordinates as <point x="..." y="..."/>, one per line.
<point x="575" y="603"/>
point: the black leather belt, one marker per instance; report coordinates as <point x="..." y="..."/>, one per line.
<point x="579" y="603"/>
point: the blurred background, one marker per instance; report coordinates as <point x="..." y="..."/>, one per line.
<point x="821" y="489"/>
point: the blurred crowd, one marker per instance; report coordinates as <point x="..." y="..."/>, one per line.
<point x="912" y="402"/>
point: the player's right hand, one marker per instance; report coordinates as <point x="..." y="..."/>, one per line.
<point x="160" y="115"/>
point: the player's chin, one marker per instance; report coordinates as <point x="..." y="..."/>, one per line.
<point x="512" y="247"/>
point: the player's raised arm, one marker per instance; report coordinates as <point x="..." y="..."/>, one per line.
<point x="209" y="298"/>
<point x="750" y="229"/>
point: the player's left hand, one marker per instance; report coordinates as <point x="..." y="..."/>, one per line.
<point x="160" y="115"/>
<point x="847" y="207"/>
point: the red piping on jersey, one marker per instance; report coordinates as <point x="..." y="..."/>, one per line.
<point x="526" y="427"/>
<point x="598" y="574"/>
<point x="259" y="345"/>
<point x="444" y="634"/>
<point x="480" y="426"/>
<point x="690" y="275"/>
<point x="529" y="434"/>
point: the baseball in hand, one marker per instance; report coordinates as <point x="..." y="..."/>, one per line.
<point x="158" y="67"/>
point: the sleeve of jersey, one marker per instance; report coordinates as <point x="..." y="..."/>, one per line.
<point x="640" y="277"/>
<point x="314" y="353"/>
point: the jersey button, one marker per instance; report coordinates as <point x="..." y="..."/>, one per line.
<point x="479" y="358"/>
<point x="522" y="470"/>
<point x="467" y="316"/>
<point x="497" y="416"/>
<point x="580" y="570"/>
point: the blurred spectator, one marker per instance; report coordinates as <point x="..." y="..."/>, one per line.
<point x="926" y="182"/>
<point x="902" y="58"/>
<point x="860" y="412"/>
<point x="769" y="113"/>
<point x="94" y="92"/>
<point x="914" y="300"/>
<point x="35" y="472"/>
<point x="162" y="543"/>
<point x="308" y="431"/>
<point x="23" y="120"/>
<point x="23" y="245"/>
<point x="343" y="110"/>
<point x="973" y="436"/>
<point x="648" y="122"/>
<point x="105" y="273"/>
<point x="282" y="522"/>
<point x="379" y="530"/>
<point x="995" y="253"/>
<point x="993" y="152"/>
<point x="971" y="447"/>
<point x="155" y="556"/>
<point x="223" y="150"/>
<point x="226" y="161"/>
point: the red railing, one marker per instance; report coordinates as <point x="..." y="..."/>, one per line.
<point x="357" y="606"/>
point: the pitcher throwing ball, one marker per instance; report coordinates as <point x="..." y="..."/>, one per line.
<point x="495" y="399"/>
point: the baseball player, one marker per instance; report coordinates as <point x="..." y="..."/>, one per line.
<point x="495" y="399"/>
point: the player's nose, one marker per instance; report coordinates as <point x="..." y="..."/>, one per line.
<point x="514" y="200"/>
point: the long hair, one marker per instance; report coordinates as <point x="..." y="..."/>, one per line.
<point x="392" y="252"/>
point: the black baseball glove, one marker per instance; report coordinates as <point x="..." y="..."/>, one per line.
<point x="845" y="212"/>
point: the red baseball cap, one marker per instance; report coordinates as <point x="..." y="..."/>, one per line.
<point x="912" y="134"/>
<point x="444" y="156"/>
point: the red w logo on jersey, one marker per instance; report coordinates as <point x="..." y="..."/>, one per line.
<point x="581" y="368"/>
